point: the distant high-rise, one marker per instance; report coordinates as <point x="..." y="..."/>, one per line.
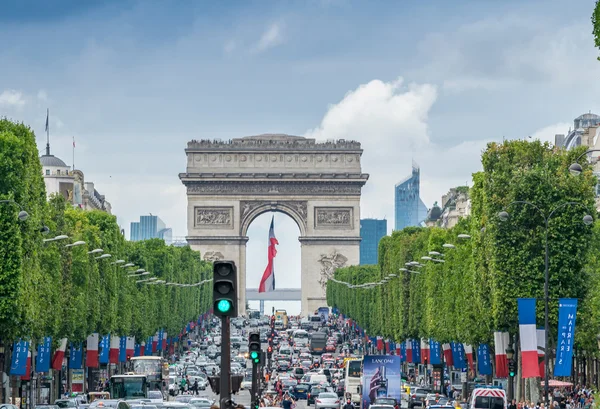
<point x="371" y="231"/>
<point x="150" y="227"/>
<point x="409" y="208"/>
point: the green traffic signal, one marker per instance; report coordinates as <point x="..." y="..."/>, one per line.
<point x="224" y="306"/>
<point x="512" y="373"/>
<point x="253" y="354"/>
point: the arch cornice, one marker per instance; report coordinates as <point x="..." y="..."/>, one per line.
<point x="251" y="209"/>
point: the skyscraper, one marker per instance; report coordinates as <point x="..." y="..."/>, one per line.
<point x="150" y="227"/>
<point x="371" y="231"/>
<point x="409" y="208"/>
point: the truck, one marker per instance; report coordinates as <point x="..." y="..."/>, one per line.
<point x="323" y="312"/>
<point x="353" y="370"/>
<point x="282" y="315"/>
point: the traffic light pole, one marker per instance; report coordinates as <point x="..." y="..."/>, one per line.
<point x="225" y="386"/>
<point x="255" y="386"/>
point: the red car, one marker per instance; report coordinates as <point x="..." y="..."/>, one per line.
<point x="330" y="348"/>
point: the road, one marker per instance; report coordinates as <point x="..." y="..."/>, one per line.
<point x="243" y="398"/>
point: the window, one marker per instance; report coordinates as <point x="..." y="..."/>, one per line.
<point x="489" y="402"/>
<point x="47" y="172"/>
<point x="58" y="171"/>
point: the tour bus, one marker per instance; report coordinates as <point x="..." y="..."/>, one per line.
<point x="282" y="315"/>
<point x="154" y="368"/>
<point x="318" y="341"/>
<point x="352" y="380"/>
<point x="300" y="338"/>
<point x="128" y="386"/>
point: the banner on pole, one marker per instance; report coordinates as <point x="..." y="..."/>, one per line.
<point x="76" y="356"/>
<point x="567" y="312"/>
<point x="434" y="351"/>
<point x="18" y="365"/>
<point x="484" y="365"/>
<point x="104" y="349"/>
<point x="42" y="361"/>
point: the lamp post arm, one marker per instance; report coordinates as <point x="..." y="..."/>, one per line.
<point x="10" y="201"/>
<point x="560" y="206"/>
<point x="527" y="203"/>
<point x="585" y="153"/>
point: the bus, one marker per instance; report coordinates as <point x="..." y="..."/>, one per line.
<point x="300" y="338"/>
<point x="318" y="341"/>
<point x="282" y="315"/>
<point x="352" y="380"/>
<point x="129" y="386"/>
<point x="154" y="368"/>
<point x="253" y="314"/>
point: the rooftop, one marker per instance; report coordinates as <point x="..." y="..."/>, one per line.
<point x="51" y="160"/>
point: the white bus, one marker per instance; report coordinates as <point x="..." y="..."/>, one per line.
<point x="315" y="321"/>
<point x="352" y="380"/>
<point x="300" y="338"/>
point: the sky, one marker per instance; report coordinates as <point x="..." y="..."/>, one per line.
<point x="430" y="81"/>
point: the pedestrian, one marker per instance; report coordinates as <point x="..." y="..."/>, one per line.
<point x="195" y="387"/>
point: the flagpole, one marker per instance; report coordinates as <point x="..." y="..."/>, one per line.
<point x="47" y="131"/>
<point x="73" y="153"/>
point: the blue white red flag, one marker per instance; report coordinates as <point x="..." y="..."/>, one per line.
<point x="528" y="337"/>
<point x="267" y="283"/>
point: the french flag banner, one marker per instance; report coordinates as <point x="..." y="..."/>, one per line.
<point x="27" y="375"/>
<point x="399" y="351"/>
<point x="500" y="344"/>
<point x="416" y="352"/>
<point x="164" y="341"/>
<point x="142" y="349"/>
<point x="469" y="354"/>
<point x="267" y="282"/>
<point x="434" y="352"/>
<point x="448" y="354"/>
<point x="425" y="353"/>
<point x="59" y="355"/>
<point x="130" y="347"/>
<point x="402" y="351"/>
<point x="380" y="343"/>
<point x="155" y="342"/>
<point x="113" y="353"/>
<point x="567" y="312"/>
<point x="541" y="343"/>
<point x="409" y="351"/>
<point x="484" y="366"/>
<point x="136" y="350"/>
<point x="528" y="338"/>
<point x="91" y="355"/>
<point x="387" y="346"/>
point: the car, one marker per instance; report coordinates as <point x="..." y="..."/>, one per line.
<point x="155" y="396"/>
<point x="387" y="401"/>
<point x="184" y="398"/>
<point x="315" y="390"/>
<point x="417" y="396"/>
<point x="283" y="366"/>
<point x="301" y="391"/>
<point x="66" y="403"/>
<point x="246" y="383"/>
<point x="330" y="347"/>
<point x="327" y="400"/>
<point x="201" y="402"/>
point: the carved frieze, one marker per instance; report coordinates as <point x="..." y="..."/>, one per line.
<point x="212" y="256"/>
<point x="214" y="217"/>
<point x="310" y="189"/>
<point x="329" y="263"/>
<point x="334" y="217"/>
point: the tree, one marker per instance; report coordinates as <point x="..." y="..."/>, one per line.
<point x="596" y="25"/>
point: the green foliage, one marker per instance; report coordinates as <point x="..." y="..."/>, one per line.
<point x="474" y="292"/>
<point x="596" y="25"/>
<point x="50" y="289"/>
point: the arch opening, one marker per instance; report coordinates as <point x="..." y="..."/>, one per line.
<point x="287" y="262"/>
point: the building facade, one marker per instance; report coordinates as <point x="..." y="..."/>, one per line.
<point x="150" y="227"/>
<point x="371" y="231"/>
<point x="409" y="209"/>
<point x="59" y="178"/>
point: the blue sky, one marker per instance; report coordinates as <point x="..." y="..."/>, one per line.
<point x="433" y="81"/>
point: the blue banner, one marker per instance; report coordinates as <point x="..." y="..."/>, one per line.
<point x="148" y="349"/>
<point x="18" y="365"/>
<point x="403" y="352"/>
<point x="104" y="349"/>
<point x="123" y="349"/>
<point x="416" y="351"/>
<point x="484" y="366"/>
<point x="136" y="350"/>
<point x="42" y="360"/>
<point x="567" y="312"/>
<point x="458" y="355"/>
<point x="435" y="352"/>
<point x="75" y="356"/>
<point x="160" y="340"/>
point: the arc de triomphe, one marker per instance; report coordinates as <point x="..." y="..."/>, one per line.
<point x="318" y="184"/>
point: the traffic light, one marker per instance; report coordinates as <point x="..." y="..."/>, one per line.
<point x="511" y="367"/>
<point x="225" y="289"/>
<point x="254" y="346"/>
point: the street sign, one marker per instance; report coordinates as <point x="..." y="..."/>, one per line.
<point x="463" y="377"/>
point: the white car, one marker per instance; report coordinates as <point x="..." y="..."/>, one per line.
<point x="246" y="384"/>
<point x="155" y="396"/>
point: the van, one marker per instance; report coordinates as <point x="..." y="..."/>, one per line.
<point x="298" y="373"/>
<point x="488" y="398"/>
<point x="317" y="379"/>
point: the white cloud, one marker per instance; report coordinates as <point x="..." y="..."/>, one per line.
<point x="12" y="98"/>
<point x="271" y="37"/>
<point x="547" y="133"/>
<point x="390" y="120"/>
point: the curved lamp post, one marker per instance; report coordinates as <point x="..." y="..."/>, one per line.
<point x="504" y="216"/>
<point x="575" y="167"/>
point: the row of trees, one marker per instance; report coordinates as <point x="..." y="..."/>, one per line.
<point x="474" y="292"/>
<point x="48" y="289"/>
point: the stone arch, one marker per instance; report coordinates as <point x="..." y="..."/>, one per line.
<point x="250" y="210"/>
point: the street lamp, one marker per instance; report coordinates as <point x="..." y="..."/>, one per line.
<point x="587" y="220"/>
<point x="60" y="237"/>
<point x="22" y="215"/>
<point x="575" y="169"/>
<point x="96" y="251"/>
<point x="463" y="236"/>
<point x="103" y="256"/>
<point x="77" y="243"/>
